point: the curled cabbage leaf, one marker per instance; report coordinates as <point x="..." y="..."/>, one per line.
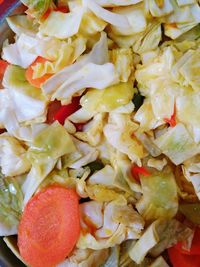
<point x="66" y="55"/>
<point x="122" y="58"/>
<point x="98" y="55"/>
<point x="37" y="8"/>
<point x="147" y="40"/>
<point x="160" y="235"/>
<point x="85" y="258"/>
<point x="113" y="223"/>
<point x="82" y="116"/>
<point x="108" y="16"/>
<point x="158" y="164"/>
<point x="135" y="16"/>
<point x="22" y="24"/>
<point x="159" y="199"/>
<point x="29" y="102"/>
<point x="91" y="25"/>
<point x="70" y="24"/>
<point x="13" y="158"/>
<point x="191" y="171"/>
<point x="93" y="130"/>
<point x="119" y="132"/>
<point x="91" y="75"/>
<point x="85" y="155"/>
<point x="177" y="144"/>
<point x="148" y="240"/>
<point x="17" y="55"/>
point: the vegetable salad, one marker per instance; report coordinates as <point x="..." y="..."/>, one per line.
<point x="100" y="133"/>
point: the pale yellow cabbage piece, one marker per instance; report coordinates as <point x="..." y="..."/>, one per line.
<point x="109" y="98"/>
<point x="122" y="58"/>
<point x="13" y="156"/>
<point x="70" y="24"/>
<point x="177" y="144"/>
<point x="119" y="133"/>
<point x="159" y="199"/>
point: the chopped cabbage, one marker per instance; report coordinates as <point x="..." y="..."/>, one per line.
<point x="177" y="144"/>
<point x="29" y="102"/>
<point x="70" y="24"/>
<point x="187" y="108"/>
<point x="159" y="9"/>
<point x="22" y="24"/>
<point x="119" y="223"/>
<point x="67" y="54"/>
<point x="91" y="75"/>
<point x="11" y="199"/>
<point x="86" y="155"/>
<point x="17" y="55"/>
<point x="148" y="240"/>
<point x="37" y="8"/>
<point x="109" y="98"/>
<point x="119" y="132"/>
<point x="110" y="17"/>
<point x="135" y="16"/>
<point x="93" y="130"/>
<point x="13" y="158"/>
<point x="91" y="24"/>
<point x="43" y="154"/>
<point x="122" y="58"/>
<point x="160" y="235"/>
<point x="147" y="40"/>
<point x="85" y="258"/>
<point x="113" y="259"/>
<point x="159" y="199"/>
<point x="170" y="232"/>
<point x="191" y="171"/>
<point x="157" y="163"/>
<point x="98" y="55"/>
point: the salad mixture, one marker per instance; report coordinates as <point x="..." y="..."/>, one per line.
<point x="100" y="133"/>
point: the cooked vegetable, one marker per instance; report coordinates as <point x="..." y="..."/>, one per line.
<point x="11" y="199"/>
<point x="159" y="195"/>
<point x="50" y="217"/>
<point x="100" y="99"/>
<point x="37" y="82"/>
<point x="3" y="66"/>
<point x="191" y="212"/>
<point x="179" y="259"/>
<point x="194" y="248"/>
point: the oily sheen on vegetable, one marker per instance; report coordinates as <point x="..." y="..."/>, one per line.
<point x="100" y="133"/>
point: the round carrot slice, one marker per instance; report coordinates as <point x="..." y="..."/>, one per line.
<point x="49" y="227"/>
<point x="29" y="73"/>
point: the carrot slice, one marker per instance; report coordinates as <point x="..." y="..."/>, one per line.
<point x="49" y="227"/>
<point x="29" y="73"/>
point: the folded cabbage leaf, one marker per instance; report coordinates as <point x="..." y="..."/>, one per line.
<point x="159" y="199"/>
<point x="177" y="144"/>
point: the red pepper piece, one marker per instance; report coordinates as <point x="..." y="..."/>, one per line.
<point x="172" y="120"/>
<point x="66" y="110"/>
<point x="136" y="171"/>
